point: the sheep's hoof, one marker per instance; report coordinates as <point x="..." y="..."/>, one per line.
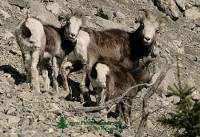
<point x="82" y="98"/>
<point x="45" y="89"/>
<point x="85" y="97"/>
<point x="35" y="90"/>
<point x="37" y="94"/>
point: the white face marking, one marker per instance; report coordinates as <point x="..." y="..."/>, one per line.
<point x="37" y="31"/>
<point x="149" y="31"/>
<point x="102" y="71"/>
<point x="83" y="40"/>
<point x="74" y="27"/>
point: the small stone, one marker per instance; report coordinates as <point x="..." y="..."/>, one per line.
<point x="181" y="4"/>
<point x="13" y="119"/>
<point x="175" y="99"/>
<point x="8" y="35"/>
<point x="51" y="130"/>
<point x="169" y="7"/>
<point x="105" y="13"/>
<point x="196" y="58"/>
<point x="5" y="14"/>
<point x="41" y="118"/>
<point x="1" y="109"/>
<point x="55" y="108"/>
<point x="1" y="23"/>
<point x="11" y="110"/>
<point x="168" y="80"/>
<point x="192" y="13"/>
<point x="119" y="17"/>
<point x="179" y="46"/>
<point x="54" y="8"/>
<point x="107" y="24"/>
<point x="150" y="125"/>
<point x="1" y="133"/>
<point x="88" y="135"/>
<point x="19" y="3"/>
<point x="26" y="96"/>
<point x="5" y="4"/>
<point x="13" y="135"/>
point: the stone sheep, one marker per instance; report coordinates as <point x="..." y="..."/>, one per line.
<point x="126" y="48"/>
<point x="41" y="47"/>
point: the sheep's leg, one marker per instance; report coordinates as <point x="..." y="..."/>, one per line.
<point x="27" y="65"/>
<point x="83" y="87"/>
<point x="65" y="70"/>
<point x="127" y="105"/>
<point x="84" y="90"/>
<point x="55" y="74"/>
<point x="34" y="71"/>
<point x="102" y="97"/>
<point x="46" y="79"/>
<point x="87" y="69"/>
<point x="119" y="111"/>
<point x="102" y="103"/>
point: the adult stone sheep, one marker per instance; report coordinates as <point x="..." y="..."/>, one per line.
<point x="126" y="48"/>
<point x="41" y="47"/>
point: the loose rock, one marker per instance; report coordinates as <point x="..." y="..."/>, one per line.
<point x="54" y="8"/>
<point x="13" y="119"/>
<point x="192" y="13"/>
<point x="20" y="3"/>
<point x="39" y="11"/>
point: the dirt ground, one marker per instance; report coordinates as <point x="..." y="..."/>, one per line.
<point x="26" y="114"/>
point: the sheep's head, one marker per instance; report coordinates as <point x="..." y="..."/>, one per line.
<point x="150" y="25"/>
<point x="73" y="25"/>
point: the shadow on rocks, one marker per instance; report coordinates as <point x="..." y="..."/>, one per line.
<point x="15" y="74"/>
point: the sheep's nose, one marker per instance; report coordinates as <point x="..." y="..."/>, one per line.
<point x="147" y="38"/>
<point x="72" y="35"/>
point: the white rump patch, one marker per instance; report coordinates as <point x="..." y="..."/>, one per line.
<point x="37" y="31"/>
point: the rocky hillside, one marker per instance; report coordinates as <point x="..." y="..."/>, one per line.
<point x="26" y="114"/>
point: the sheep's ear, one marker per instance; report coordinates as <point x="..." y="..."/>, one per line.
<point x="139" y="19"/>
<point x="147" y="13"/>
<point x="71" y="11"/>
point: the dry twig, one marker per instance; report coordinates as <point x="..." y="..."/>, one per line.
<point x="108" y="103"/>
<point x="147" y="96"/>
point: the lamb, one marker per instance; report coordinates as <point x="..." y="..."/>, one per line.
<point x="110" y="81"/>
<point x="124" y="47"/>
<point x="41" y="47"/>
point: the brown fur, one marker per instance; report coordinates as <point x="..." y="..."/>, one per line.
<point x="117" y="45"/>
<point x="123" y="47"/>
<point x="51" y="52"/>
<point x="117" y="83"/>
<point x="109" y="44"/>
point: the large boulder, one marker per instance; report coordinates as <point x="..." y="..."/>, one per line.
<point x="39" y="11"/>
